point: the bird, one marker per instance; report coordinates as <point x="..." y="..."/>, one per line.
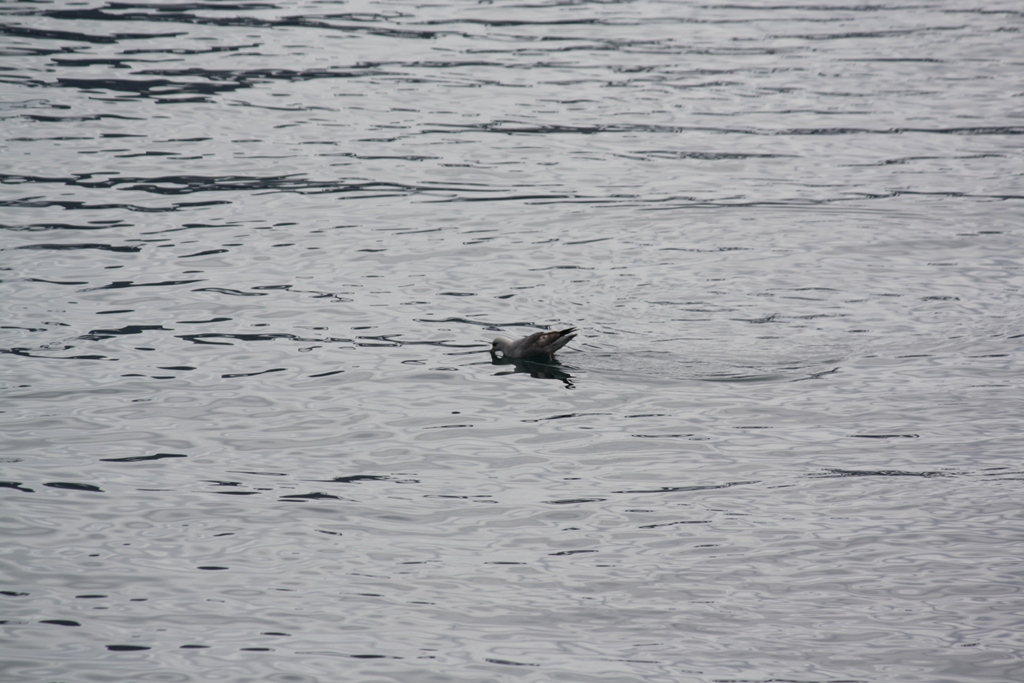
<point x="537" y="346"/>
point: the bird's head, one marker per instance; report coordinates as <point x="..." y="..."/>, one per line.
<point x="500" y="344"/>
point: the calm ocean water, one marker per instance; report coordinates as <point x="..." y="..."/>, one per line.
<point x="252" y="255"/>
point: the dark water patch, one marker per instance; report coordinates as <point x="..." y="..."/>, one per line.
<point x="285" y="288"/>
<point x="561" y="267"/>
<point x="540" y="198"/>
<point x="72" y="486"/>
<point x="702" y="156"/>
<point x="98" y="335"/>
<point x="564" y="416"/>
<point x="581" y="242"/>
<point x="77" y="247"/>
<point x="148" y="153"/>
<point x="145" y="458"/>
<point x="907" y="160"/>
<point x="686" y="489"/>
<point x="113" y="62"/>
<point x="889" y="33"/>
<point x="33" y="353"/>
<point x="507" y="662"/>
<point x="59" y="622"/>
<point x="75" y="36"/>
<point x="355" y="478"/>
<point x="187" y="184"/>
<point x="358" y="25"/>
<point x="39" y="227"/>
<point x="232" y="375"/>
<point x="772" y="318"/>
<point x="179" y="50"/>
<point x="1003" y="473"/>
<point x="661" y="436"/>
<point x="177" y="7"/>
<point x="229" y="292"/>
<point x="377" y="341"/>
<point x="574" y="501"/>
<point x="252" y="77"/>
<point x="16" y="485"/>
<point x="571" y="552"/>
<point x="127" y="648"/>
<point x="124" y="284"/>
<point x="207" y="252"/>
<point x="56" y="282"/>
<point x="49" y="118"/>
<point x="315" y="495"/>
<point x="837" y="472"/>
<point x="578" y="21"/>
<point x="326" y="374"/>
<point x="884" y="436"/>
<point x="506" y="127"/>
<point x="84" y="206"/>
<point x="547" y="371"/>
<point x="695" y="250"/>
<point x="158" y="88"/>
<point x="688" y="521"/>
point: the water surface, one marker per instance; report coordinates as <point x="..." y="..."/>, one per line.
<point x="253" y="253"/>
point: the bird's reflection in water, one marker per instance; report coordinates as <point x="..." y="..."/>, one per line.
<point x="534" y="369"/>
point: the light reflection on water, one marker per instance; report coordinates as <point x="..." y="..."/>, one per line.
<point x="254" y="255"/>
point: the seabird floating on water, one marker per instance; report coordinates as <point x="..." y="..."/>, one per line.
<point x="539" y="345"/>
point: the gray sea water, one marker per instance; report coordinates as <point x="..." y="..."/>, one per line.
<point x="253" y="253"/>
